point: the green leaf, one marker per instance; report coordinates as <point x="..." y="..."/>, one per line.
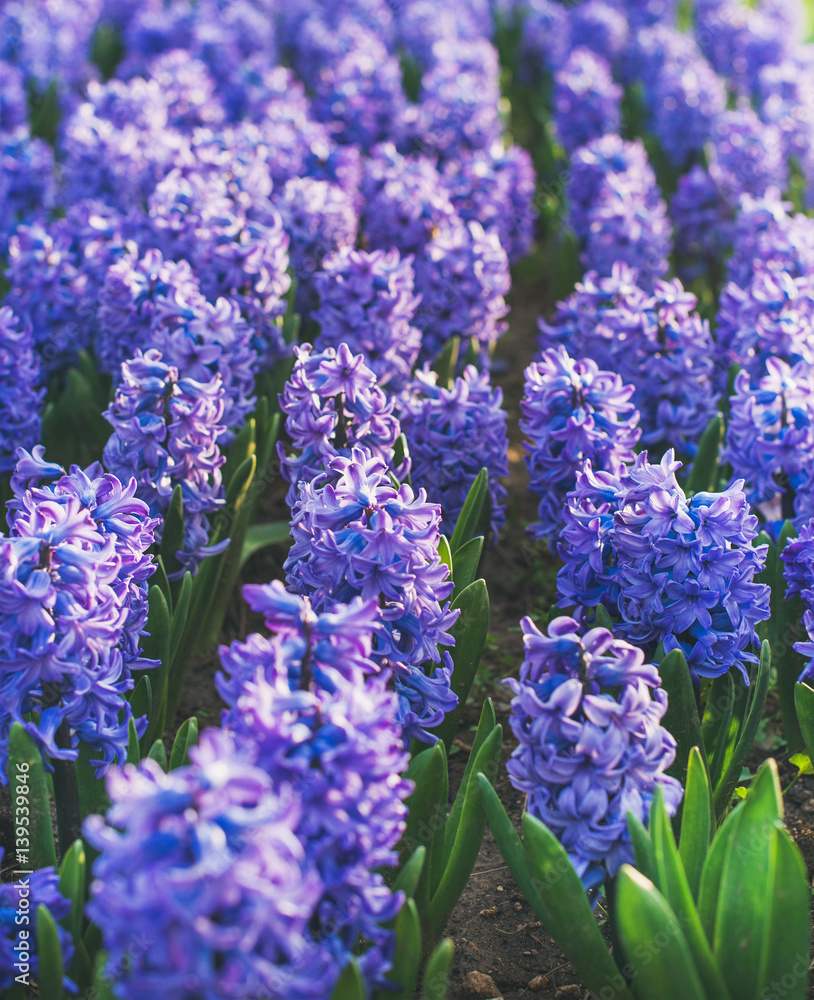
<point x="436" y="973"/>
<point x="102" y="983"/>
<point x="160" y="580"/>
<point x="468" y="837"/>
<point x="158" y="753"/>
<point x="446" y="362"/>
<point x="51" y="970"/>
<point x="673" y="884"/>
<point x="444" y="552"/>
<point x="709" y="892"/>
<point x="407" y="957"/>
<point x="559" y="899"/>
<point x="643" y="849"/>
<point x="408" y="877"/>
<point x="242" y="447"/>
<point x="133" y="749"/>
<point x="469" y="631"/>
<point x="350" y="985"/>
<point x="72" y="879"/>
<point x="740" y="938"/>
<point x="486" y="724"/>
<point x="704" y="475"/>
<point x="427" y="808"/>
<point x="92" y="794"/>
<point x="716" y="725"/>
<point x="746" y="736"/>
<point x="474" y="517"/>
<point x="804" y="701"/>
<point x="172" y="534"/>
<point x="141" y="703"/>
<point x="603" y="619"/>
<point x="156" y="646"/>
<point x="553" y="889"/>
<point x="465" y="564"/>
<point x="29" y="790"/>
<point x="653" y="943"/>
<point x="260" y="536"/>
<point x="180" y="617"/>
<point x="186" y="738"/>
<point x="681" y="718"/>
<point x="696" y="821"/>
<point x="789" y="937"/>
<point x="802" y="762"/>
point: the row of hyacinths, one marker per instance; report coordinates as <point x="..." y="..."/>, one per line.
<point x="235" y="163"/>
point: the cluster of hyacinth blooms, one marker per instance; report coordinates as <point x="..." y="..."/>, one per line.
<point x="452" y="433"/>
<point x="263" y="852"/>
<point x="587" y="713"/>
<point x="21" y="394"/>
<point x="42" y="889"/>
<point x="676" y="571"/>
<point x="657" y="342"/>
<point x="571" y="413"/>
<point x="73" y="605"/>
<point x="356" y="534"/>
<point x="166" y="430"/>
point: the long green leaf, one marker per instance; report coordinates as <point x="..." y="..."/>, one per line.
<point x="704" y="475"/>
<point x="653" y="943"/>
<point x="156" y="646"/>
<point x="558" y="892"/>
<point x="172" y="534"/>
<point x="444" y="551"/>
<point x="51" y="970"/>
<point x="436" y="973"/>
<point x="158" y="753"/>
<point x="180" y="616"/>
<point x="186" y="738"/>
<point x="468" y="837"/>
<point x="681" y="718"/>
<point x="427" y="808"/>
<point x="486" y="724"/>
<point x="102" y="983"/>
<point x="789" y="938"/>
<point x="141" y="703"/>
<point x="465" y="564"/>
<point x="716" y="726"/>
<point x="408" y="878"/>
<point x="746" y="737"/>
<point x="642" y="844"/>
<point x="72" y="879"/>
<point x="673" y="884"/>
<point x="469" y="632"/>
<point x="350" y="985"/>
<point x="260" y="536"/>
<point x="30" y="801"/>
<point x="696" y="821"/>
<point x="473" y="519"/>
<point x="92" y="793"/>
<point x="407" y="957"/>
<point x="804" y="701"/>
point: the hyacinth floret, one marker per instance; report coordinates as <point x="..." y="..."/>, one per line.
<point x="462" y="277"/>
<point x="452" y="433"/>
<point x="572" y="411"/>
<point x="166" y="431"/>
<point x="770" y="432"/>
<point x="20" y="393"/>
<point x="332" y="404"/>
<point x="205" y="865"/>
<point x="73" y="607"/>
<point x="657" y="342"/>
<point x="366" y="301"/>
<point x="587" y="714"/>
<point x="360" y="536"/>
<point x="40" y="888"/>
<point x="678" y="570"/>
<point x="321" y="725"/>
<point x="586" y="99"/>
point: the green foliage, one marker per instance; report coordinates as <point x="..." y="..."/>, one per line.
<point x="725" y="920"/>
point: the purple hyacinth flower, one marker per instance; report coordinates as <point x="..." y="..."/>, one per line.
<point x="73" y="607"/>
<point x="20" y="393"/>
<point x="360" y="536"/>
<point x="572" y="412"/>
<point x="587" y="713"/>
<point x="586" y="99"/>
<point x="679" y="571"/>
<point x="452" y="433"/>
